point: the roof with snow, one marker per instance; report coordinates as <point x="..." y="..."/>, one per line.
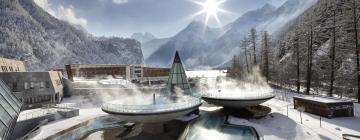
<point x="323" y="99"/>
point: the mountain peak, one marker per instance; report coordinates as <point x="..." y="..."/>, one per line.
<point x="196" y="24"/>
<point x="143" y="37"/>
<point x="268" y="6"/>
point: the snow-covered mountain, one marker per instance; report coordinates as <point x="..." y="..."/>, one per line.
<point x="29" y="33"/>
<point x="149" y="47"/>
<point x="203" y="46"/>
<point x="143" y="37"/>
<point x="192" y="41"/>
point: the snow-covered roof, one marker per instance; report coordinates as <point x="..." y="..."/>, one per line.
<point x="323" y="99"/>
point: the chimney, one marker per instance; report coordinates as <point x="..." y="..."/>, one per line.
<point x="69" y="72"/>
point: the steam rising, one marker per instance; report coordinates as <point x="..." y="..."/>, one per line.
<point x="94" y="93"/>
<point x="251" y="85"/>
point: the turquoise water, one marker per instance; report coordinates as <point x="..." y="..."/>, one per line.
<point x="211" y="126"/>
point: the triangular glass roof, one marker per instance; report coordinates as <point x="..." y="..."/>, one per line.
<point x="177" y="77"/>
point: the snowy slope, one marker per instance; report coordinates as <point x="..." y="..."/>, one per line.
<point x="29" y="33"/>
<point x="190" y="42"/>
<point x="143" y="37"/>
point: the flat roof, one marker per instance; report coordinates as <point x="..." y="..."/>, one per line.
<point x="324" y="99"/>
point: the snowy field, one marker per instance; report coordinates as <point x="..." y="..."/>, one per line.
<point x="283" y="123"/>
<point x="286" y="124"/>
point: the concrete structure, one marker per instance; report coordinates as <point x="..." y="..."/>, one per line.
<point x="152" y="113"/>
<point x="325" y="106"/>
<point x="10" y="108"/>
<point x="155" y="72"/>
<point x="162" y="108"/>
<point x="10" y="65"/>
<point x="35" y="89"/>
<point x="236" y="102"/>
<point x="102" y="71"/>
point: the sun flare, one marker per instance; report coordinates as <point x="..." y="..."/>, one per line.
<point x="211" y="8"/>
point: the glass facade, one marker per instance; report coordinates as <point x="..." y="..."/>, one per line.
<point x="9" y="111"/>
<point x="177" y="77"/>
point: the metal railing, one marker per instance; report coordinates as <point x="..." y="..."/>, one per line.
<point x="240" y="95"/>
<point x="113" y="107"/>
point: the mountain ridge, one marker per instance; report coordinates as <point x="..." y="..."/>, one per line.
<point x="30" y="34"/>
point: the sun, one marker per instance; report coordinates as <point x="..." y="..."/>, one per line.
<point x="211" y="8"/>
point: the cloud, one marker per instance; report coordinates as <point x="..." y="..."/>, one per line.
<point x="63" y="13"/>
<point x="120" y="1"/>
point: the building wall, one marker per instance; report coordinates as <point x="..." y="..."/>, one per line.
<point x="337" y="109"/>
<point x="156" y="72"/>
<point x="128" y="72"/>
<point x="35" y="88"/>
<point x="10" y="65"/>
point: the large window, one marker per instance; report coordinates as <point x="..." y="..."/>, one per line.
<point x="42" y="84"/>
<point x="32" y="85"/>
<point x="47" y="84"/>
<point x="2" y="129"/>
<point x="14" y="86"/>
<point x="9" y="110"/>
<point x="26" y="85"/>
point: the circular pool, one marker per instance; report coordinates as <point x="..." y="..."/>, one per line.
<point x="150" y="110"/>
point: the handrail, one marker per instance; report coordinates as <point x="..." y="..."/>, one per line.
<point x="113" y="107"/>
<point x="244" y="96"/>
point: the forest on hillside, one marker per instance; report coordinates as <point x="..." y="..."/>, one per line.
<point x="318" y="54"/>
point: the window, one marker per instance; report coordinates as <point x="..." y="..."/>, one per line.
<point x="42" y="84"/>
<point x="137" y="71"/>
<point x="47" y="84"/>
<point x="32" y="85"/>
<point x="14" y="86"/>
<point x="26" y="85"/>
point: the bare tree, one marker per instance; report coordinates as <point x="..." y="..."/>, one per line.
<point x="297" y="51"/>
<point x="244" y="45"/>
<point x="310" y="56"/>
<point x="253" y="38"/>
<point x="265" y="55"/>
<point x="333" y="51"/>
<point x="356" y="38"/>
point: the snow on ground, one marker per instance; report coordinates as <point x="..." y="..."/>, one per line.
<point x="279" y="126"/>
<point x="357" y="110"/>
<point x="205" y="73"/>
<point x="60" y="125"/>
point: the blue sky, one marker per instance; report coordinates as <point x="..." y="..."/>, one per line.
<point x="163" y="18"/>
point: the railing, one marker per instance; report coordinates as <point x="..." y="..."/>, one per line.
<point x="239" y="95"/>
<point x="113" y="107"/>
